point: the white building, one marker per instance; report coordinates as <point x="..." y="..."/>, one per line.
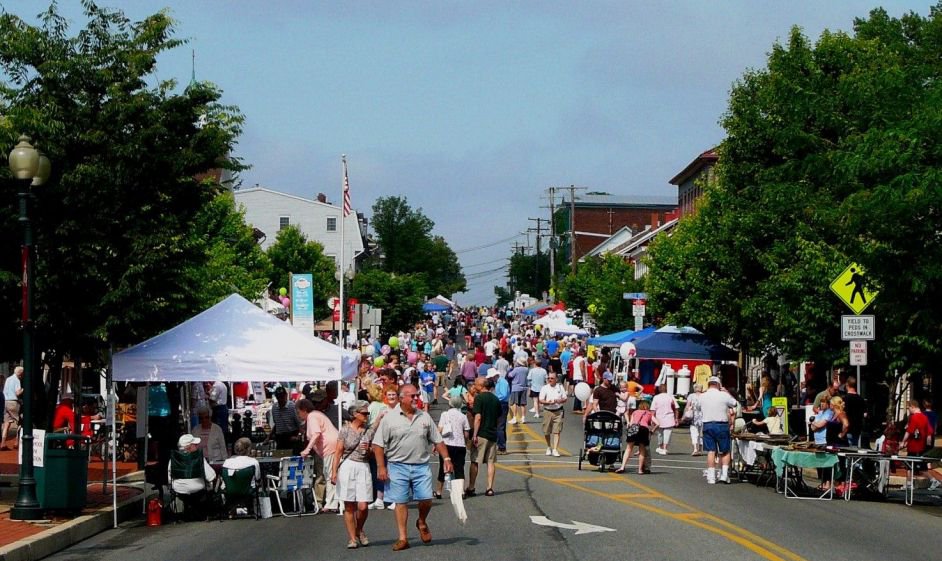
<point x="270" y="211"/>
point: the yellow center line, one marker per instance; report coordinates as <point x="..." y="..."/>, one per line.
<point x="694" y="517"/>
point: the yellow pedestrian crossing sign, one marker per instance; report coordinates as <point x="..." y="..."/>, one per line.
<point x="850" y="288"/>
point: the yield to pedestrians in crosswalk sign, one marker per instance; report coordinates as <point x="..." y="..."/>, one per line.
<point x="850" y="287"/>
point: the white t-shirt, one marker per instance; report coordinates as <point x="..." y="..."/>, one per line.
<point x="457" y="422"/>
<point x="236" y="463"/>
<point x="578" y="368"/>
<point x="715" y="406"/>
<point x="219" y="395"/>
<point x="552" y="393"/>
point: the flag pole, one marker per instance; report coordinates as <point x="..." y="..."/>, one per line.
<point x="344" y="198"/>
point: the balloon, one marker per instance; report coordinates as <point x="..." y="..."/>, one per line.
<point x="385" y="350"/>
<point x="379" y="362"/>
<point x="583" y="391"/>
<point x="283" y="291"/>
<point x="413" y="357"/>
<point x="394" y="342"/>
<point x="368" y="350"/>
<point x="627" y="350"/>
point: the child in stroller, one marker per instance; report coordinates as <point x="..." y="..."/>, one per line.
<point x="602" y="440"/>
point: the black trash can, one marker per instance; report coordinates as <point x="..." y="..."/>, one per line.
<point x="62" y="482"/>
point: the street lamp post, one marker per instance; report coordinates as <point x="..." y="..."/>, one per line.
<point x="29" y="167"/>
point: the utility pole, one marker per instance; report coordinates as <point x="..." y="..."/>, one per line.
<point x="539" y="234"/>
<point x="572" y="225"/>
<point x="552" y="225"/>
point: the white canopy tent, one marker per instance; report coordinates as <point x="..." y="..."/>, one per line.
<point x="233" y="341"/>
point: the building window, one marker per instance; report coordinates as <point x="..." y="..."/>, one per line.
<point x="331" y="223"/>
<point x="283" y="222"/>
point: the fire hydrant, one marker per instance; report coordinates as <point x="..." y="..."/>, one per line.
<point x="154" y="512"/>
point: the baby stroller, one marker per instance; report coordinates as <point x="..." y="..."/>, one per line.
<point x="601" y="445"/>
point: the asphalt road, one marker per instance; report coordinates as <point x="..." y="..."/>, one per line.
<point x="669" y="514"/>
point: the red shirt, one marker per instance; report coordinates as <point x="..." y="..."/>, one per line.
<point x="917" y="422"/>
<point x="64" y="417"/>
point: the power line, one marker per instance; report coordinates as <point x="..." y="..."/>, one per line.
<point x="492" y="244"/>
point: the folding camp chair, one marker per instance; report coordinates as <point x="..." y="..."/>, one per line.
<point x="293" y="478"/>
<point x="189" y="465"/>
<point x="241" y="490"/>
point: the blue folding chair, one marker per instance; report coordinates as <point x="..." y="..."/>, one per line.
<point x="294" y="476"/>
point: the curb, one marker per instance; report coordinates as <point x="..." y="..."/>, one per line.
<point x="71" y="532"/>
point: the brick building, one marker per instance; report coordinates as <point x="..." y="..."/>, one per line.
<point x="689" y="181"/>
<point x="599" y="215"/>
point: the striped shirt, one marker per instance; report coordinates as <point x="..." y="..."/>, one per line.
<point x="285" y="419"/>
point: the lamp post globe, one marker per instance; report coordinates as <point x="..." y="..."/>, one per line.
<point x="24" y="159"/>
<point x="29" y="167"/>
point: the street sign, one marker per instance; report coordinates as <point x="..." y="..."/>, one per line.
<point x="639" y="323"/>
<point x="850" y="287"/>
<point x="858" y="353"/>
<point x="857" y="328"/>
<point x="637" y="308"/>
<point x="332" y="302"/>
<point x="634" y="295"/>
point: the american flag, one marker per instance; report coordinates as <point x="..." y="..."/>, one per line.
<point x="347" y="207"/>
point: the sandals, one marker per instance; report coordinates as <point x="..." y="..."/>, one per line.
<point x="424" y="531"/>
<point x="489" y="493"/>
<point x="400" y="545"/>
<point x="469" y="492"/>
<point x="352" y="544"/>
<point x="620" y="470"/>
<point x="436" y="495"/>
<point x="364" y="541"/>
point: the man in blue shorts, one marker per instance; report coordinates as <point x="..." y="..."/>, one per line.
<point x="719" y="413"/>
<point x="401" y="447"/>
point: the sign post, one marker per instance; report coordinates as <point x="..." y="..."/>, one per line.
<point x="637" y="310"/>
<point x="850" y="287"/>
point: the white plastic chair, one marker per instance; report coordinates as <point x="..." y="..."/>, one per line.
<point x="295" y="475"/>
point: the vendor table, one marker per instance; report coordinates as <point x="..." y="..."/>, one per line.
<point x="752" y="454"/>
<point x="909" y="463"/>
<point x="854" y="460"/>
<point x="791" y="462"/>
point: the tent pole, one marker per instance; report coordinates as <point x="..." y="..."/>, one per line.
<point x="146" y="432"/>
<point x="112" y="406"/>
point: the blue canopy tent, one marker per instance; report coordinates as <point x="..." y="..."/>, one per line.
<point x="681" y="343"/>
<point x="616" y="339"/>
<point x="534" y="309"/>
<point x="433" y="307"/>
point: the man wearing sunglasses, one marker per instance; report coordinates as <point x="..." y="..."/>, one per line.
<point x="401" y="448"/>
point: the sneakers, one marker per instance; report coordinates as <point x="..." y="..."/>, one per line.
<point x="512" y="421"/>
<point x="377" y="505"/>
<point x="661" y="451"/>
<point x="549" y="451"/>
<point x="711" y="480"/>
<point x="532" y="410"/>
<point x="723" y="479"/>
<point x="556" y="453"/>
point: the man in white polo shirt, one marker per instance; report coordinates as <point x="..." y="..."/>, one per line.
<point x="718" y="408"/>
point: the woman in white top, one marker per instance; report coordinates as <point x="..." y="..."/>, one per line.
<point x="455" y="430"/>
<point x="212" y="441"/>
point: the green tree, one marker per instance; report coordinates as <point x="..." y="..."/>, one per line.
<point x="598" y="284"/>
<point x="408" y="247"/>
<point x="530" y="274"/>
<point x="832" y="156"/>
<point x="399" y="296"/>
<point x="235" y="262"/>
<point x="114" y="261"/>
<point x="503" y="295"/>
<point x="293" y="253"/>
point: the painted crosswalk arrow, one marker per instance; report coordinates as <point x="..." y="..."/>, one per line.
<point x="579" y="527"/>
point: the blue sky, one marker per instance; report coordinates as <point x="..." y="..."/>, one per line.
<point x="472" y="109"/>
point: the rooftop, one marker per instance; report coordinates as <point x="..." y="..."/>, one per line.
<point x="606" y="200"/>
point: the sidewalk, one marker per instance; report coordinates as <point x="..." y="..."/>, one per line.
<point x="22" y="541"/>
